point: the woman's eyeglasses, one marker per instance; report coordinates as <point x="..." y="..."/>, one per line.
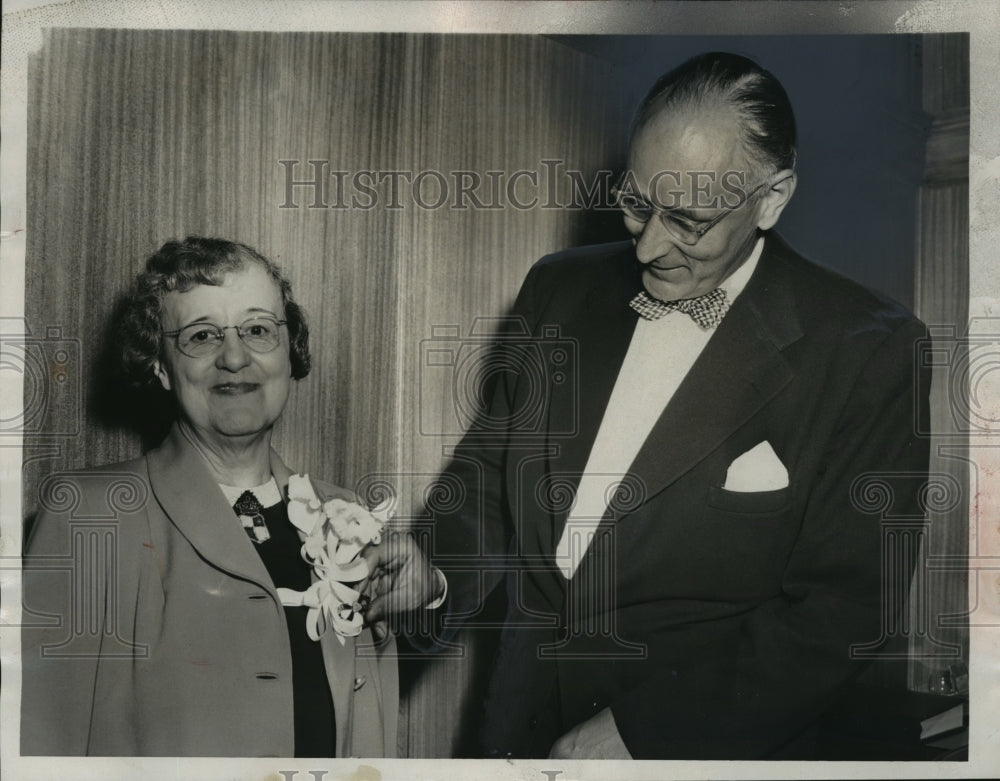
<point x="201" y="340"/>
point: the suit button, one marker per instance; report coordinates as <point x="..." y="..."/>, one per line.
<point x="359" y="682"/>
<point x="266" y="676"/>
<point x="533" y="722"/>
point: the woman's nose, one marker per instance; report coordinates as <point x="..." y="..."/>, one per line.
<point x="233" y="355"/>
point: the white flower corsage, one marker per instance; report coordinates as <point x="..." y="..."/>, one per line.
<point x="335" y="534"/>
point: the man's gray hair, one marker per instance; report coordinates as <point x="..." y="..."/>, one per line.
<point x="767" y="123"/>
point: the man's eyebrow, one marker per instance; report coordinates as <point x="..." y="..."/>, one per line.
<point x="687" y="214"/>
<point x="678" y="211"/>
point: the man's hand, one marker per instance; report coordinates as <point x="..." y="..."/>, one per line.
<point x="401" y="579"/>
<point x="596" y="738"/>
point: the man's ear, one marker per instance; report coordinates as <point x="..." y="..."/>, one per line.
<point x="776" y="199"/>
<point x="161" y="374"/>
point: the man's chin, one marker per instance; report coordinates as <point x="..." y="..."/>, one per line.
<point x="665" y="289"/>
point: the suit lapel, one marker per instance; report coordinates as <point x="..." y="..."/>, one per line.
<point x="194" y="503"/>
<point x="741" y="368"/>
<point x="600" y="332"/>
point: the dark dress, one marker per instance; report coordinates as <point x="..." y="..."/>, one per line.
<point x="315" y="728"/>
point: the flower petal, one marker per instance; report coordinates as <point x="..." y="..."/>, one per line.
<point x="344" y="593"/>
<point x="350" y="573"/>
<point x="300" y="488"/>
<point x="346" y="552"/>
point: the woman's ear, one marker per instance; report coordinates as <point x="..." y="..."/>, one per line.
<point x="161" y="374"/>
<point x="776" y="199"/>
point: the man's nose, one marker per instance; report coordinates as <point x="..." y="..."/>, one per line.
<point x="654" y="242"/>
<point x="234" y="354"/>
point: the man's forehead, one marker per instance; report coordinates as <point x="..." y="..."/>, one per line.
<point x="686" y="138"/>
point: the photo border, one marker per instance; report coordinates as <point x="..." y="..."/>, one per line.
<point x="24" y="21"/>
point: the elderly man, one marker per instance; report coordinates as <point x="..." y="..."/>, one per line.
<point x="699" y="593"/>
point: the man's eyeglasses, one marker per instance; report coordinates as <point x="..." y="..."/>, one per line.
<point x="681" y="228"/>
<point x="201" y="340"/>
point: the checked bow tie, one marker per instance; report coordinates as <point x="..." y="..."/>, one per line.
<point x="707" y="310"/>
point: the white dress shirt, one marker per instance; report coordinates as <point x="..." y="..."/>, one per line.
<point x="268" y="494"/>
<point x="658" y="359"/>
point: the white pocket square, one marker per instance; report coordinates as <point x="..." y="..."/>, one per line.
<point x="759" y="469"/>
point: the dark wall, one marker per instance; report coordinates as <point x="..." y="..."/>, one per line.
<point x="857" y="102"/>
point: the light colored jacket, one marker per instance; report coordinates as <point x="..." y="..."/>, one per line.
<point x="152" y="628"/>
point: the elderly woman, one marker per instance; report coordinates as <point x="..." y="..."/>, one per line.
<point x="178" y="642"/>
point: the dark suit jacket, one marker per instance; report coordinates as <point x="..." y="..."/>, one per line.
<point x="714" y="624"/>
<point x="152" y="627"/>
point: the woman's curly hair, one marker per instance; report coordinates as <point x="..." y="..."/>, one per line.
<point x="180" y="266"/>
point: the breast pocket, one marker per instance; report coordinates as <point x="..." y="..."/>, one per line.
<point x="749" y="502"/>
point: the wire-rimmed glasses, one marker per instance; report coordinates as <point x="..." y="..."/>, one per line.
<point x="260" y="334"/>
<point x="681" y="228"/>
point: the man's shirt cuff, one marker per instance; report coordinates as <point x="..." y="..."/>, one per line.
<point x="444" y="590"/>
